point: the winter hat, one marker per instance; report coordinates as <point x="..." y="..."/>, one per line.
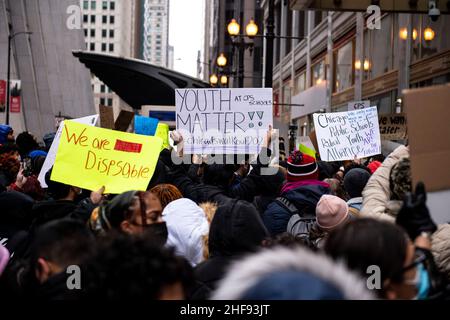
<point x="48" y="139"/>
<point x="301" y="167"/>
<point x="373" y="166"/>
<point x="400" y="178"/>
<point x="354" y="182"/>
<point x="4" y="131"/>
<point x="4" y="258"/>
<point x="37" y="153"/>
<point x="187" y="225"/>
<point x="331" y="211"/>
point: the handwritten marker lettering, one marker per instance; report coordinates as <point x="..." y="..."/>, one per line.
<point x="128" y="146"/>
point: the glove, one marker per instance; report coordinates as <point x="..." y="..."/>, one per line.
<point x="414" y="216"/>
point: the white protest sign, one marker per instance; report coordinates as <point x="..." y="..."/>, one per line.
<point x="51" y="156"/>
<point x="344" y="135"/>
<point x="223" y="121"/>
<point x="356" y="105"/>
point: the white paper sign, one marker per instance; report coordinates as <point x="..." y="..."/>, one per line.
<point x="51" y="156"/>
<point x="223" y="121"/>
<point x="344" y="135"/>
<point x="357" y="105"/>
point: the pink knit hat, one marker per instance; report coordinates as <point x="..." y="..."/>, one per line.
<point x="331" y="211"/>
<point x="4" y="258"/>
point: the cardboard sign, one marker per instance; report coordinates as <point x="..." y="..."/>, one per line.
<point x="392" y="126"/>
<point x="346" y="135"/>
<point x="106" y="117"/>
<point x="145" y="125"/>
<point x="90" y="157"/>
<point x="223" y="121"/>
<point x="51" y="155"/>
<point x="162" y="131"/>
<point x="123" y="121"/>
<point x="429" y="135"/>
<point x="306" y="146"/>
<point x="357" y="105"/>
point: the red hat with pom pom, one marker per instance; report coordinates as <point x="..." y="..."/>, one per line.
<point x="302" y="167"/>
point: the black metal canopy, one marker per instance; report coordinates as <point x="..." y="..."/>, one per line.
<point x="138" y="82"/>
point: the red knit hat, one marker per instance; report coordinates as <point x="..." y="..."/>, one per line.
<point x="301" y="167"/>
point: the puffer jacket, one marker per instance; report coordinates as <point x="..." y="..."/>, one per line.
<point x="440" y="244"/>
<point x="376" y="195"/>
<point x="304" y="198"/>
<point x="290" y="274"/>
<point x="377" y="204"/>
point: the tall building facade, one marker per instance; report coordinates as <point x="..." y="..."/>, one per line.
<point x="111" y="27"/>
<point x="156" y="33"/>
<point x="249" y="64"/>
<point x="53" y="82"/>
<point x="340" y="60"/>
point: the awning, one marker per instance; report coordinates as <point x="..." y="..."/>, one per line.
<point x="138" y="82"/>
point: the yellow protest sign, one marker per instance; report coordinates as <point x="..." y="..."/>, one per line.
<point x="304" y="149"/>
<point x="90" y="157"/>
<point x="162" y="131"/>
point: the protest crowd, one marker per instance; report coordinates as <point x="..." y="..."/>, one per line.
<point x="312" y="229"/>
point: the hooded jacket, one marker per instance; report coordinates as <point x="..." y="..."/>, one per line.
<point x="46" y="211"/>
<point x="290" y="274"/>
<point x="187" y="225"/>
<point x="236" y="229"/>
<point x="304" y="198"/>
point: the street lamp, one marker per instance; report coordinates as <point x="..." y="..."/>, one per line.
<point x="223" y="80"/>
<point x="251" y="29"/>
<point x="428" y="34"/>
<point x="10" y="38"/>
<point x="233" y="28"/>
<point x="213" y="79"/>
<point x="221" y="60"/>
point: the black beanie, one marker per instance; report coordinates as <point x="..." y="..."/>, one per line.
<point x="355" y="180"/>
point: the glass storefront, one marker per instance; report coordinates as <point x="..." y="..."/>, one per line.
<point x="343" y="67"/>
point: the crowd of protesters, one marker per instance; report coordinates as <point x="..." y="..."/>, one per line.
<point x="309" y="230"/>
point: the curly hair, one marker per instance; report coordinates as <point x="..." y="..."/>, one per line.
<point x="133" y="267"/>
<point x="166" y="193"/>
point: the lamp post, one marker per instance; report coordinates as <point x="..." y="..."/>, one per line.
<point x="10" y="38"/>
<point x="251" y="29"/>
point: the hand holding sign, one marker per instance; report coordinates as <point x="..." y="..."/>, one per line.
<point x="90" y="157"/>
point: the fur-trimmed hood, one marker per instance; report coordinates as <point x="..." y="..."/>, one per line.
<point x="247" y="273"/>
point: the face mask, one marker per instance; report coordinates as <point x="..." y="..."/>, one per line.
<point x="157" y="232"/>
<point x="422" y="282"/>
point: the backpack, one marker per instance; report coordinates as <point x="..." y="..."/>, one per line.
<point x="299" y="224"/>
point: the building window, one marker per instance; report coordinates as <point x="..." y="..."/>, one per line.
<point x="103" y="47"/>
<point x="318" y="72"/>
<point x="300" y="83"/>
<point x="85" y="18"/>
<point x="158" y="42"/>
<point x="104" y="33"/>
<point x="112" y="5"/>
<point x="104" y="19"/>
<point x="436" y="39"/>
<point x="92" y="46"/>
<point x="85" y="32"/>
<point x="105" y="5"/>
<point x="93" y="5"/>
<point x="93" y="33"/>
<point x="344" y="67"/>
<point x="102" y="88"/>
<point x="92" y="19"/>
<point x="111" y="19"/>
<point x="86" y="5"/>
<point x="111" y="33"/>
<point x="378" y="50"/>
<point x="158" y="36"/>
<point x="158" y="48"/>
<point x="102" y="101"/>
<point x="110" y="102"/>
<point x="111" y="47"/>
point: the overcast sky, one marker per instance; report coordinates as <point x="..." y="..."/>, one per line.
<point x="186" y="33"/>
